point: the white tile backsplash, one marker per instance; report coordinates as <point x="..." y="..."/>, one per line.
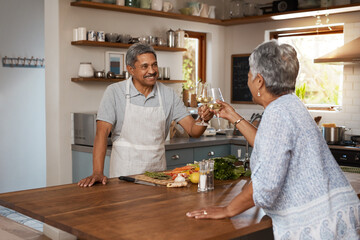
<point x="357" y="68"/>
<point x="357" y="85"/>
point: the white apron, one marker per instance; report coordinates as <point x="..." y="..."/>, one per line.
<point x="141" y="145"/>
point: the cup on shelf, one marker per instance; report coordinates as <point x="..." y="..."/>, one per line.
<point x="160" y="41"/>
<point x="125" y="38"/>
<point x="145" y="4"/>
<point x="166" y="73"/>
<point x="161" y="72"/>
<point x="131" y="3"/>
<point x="157" y="5"/>
<point x="91" y="35"/>
<point x="75" y="36"/>
<point x="111" y="37"/>
<point x="120" y="2"/>
<point x="81" y="33"/>
<point x="100" y="36"/>
<point x="167" y="6"/>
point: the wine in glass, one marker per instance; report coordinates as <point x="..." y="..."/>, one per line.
<point x="203" y="96"/>
<point x="215" y="94"/>
<point x="213" y="105"/>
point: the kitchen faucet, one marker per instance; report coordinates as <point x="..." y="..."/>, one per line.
<point x="246" y="161"/>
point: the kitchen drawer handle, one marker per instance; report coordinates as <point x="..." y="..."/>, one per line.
<point x="175" y="157"/>
<point x="211" y="153"/>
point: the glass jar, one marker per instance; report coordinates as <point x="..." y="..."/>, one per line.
<point x="132" y="3"/>
<point x="236" y="8"/>
<point x="202" y="185"/>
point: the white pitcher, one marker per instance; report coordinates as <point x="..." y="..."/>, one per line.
<point x="204" y="10"/>
<point x="157" y="5"/>
<point x="195" y="6"/>
<point x="180" y="38"/>
<point x="212" y="12"/>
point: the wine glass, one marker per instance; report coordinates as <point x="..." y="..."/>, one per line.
<point x="215" y="94"/>
<point x="203" y="97"/>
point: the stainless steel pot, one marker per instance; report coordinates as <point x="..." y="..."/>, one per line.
<point x="334" y="135"/>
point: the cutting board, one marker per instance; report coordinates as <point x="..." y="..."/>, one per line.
<point x="142" y="177"/>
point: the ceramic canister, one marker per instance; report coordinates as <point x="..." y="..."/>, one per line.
<point x="86" y="70"/>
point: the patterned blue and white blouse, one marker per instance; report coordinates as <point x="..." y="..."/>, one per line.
<point x="297" y="181"/>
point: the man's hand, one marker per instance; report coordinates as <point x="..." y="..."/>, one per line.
<point x="205" y="113"/>
<point x="89" y="181"/>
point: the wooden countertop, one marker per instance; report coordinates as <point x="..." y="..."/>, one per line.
<point x="122" y="210"/>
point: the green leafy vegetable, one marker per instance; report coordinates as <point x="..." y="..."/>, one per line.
<point x="157" y="175"/>
<point x="225" y="169"/>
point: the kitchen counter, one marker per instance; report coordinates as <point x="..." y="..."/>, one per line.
<point x="179" y="143"/>
<point x="344" y="148"/>
<point x="123" y="210"/>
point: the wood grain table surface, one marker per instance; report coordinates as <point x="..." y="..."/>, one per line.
<point x="123" y="210"/>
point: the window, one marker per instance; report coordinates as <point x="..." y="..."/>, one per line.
<point x="319" y="86"/>
<point x="194" y="59"/>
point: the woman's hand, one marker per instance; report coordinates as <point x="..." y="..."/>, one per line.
<point x="209" y="213"/>
<point x="227" y="111"/>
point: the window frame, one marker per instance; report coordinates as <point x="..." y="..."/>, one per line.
<point x="202" y="53"/>
<point x="310" y="31"/>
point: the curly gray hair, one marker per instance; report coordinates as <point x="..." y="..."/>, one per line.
<point x="277" y="64"/>
<point x="136" y="50"/>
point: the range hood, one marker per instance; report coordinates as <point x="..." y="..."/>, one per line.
<point x="347" y="54"/>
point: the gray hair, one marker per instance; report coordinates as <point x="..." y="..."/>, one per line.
<point x="136" y="50"/>
<point x="277" y="64"/>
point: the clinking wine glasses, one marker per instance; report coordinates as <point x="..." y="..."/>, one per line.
<point x="213" y="105"/>
<point x="215" y="95"/>
<point x="203" y="96"/>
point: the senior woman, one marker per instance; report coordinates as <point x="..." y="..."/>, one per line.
<point x="295" y="178"/>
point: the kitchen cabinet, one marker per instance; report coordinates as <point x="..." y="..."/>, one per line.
<point x="201" y="153"/>
<point x="178" y="157"/>
<point x="82" y="165"/>
<point x="178" y="153"/>
<point x="355" y="7"/>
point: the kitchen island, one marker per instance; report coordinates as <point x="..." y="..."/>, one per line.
<point x="123" y="210"/>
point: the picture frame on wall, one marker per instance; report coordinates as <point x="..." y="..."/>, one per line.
<point x="114" y="62"/>
<point x="240" y="92"/>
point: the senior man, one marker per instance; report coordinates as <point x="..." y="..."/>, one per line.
<point x="138" y="112"/>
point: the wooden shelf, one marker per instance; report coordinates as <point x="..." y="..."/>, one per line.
<point x="113" y="80"/>
<point x="122" y="45"/>
<point x="303" y="13"/>
<point x="148" y="12"/>
<point x="355" y="7"/>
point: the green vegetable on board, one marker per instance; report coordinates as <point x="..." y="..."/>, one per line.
<point x="225" y="169"/>
<point x="157" y="175"/>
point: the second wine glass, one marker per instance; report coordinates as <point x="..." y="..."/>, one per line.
<point x="203" y="96"/>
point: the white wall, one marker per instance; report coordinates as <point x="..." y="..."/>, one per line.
<point x="22" y="97"/>
<point x="244" y="38"/>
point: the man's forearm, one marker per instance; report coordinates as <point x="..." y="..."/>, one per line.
<point x="99" y="152"/>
